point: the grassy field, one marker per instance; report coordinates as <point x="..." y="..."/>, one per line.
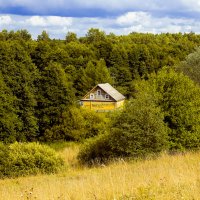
<point x="168" y="177"/>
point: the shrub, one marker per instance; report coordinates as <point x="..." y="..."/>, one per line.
<point x="20" y="159"/>
<point x="95" y="150"/>
<point x="139" y="130"/>
<point x="4" y="159"/>
<point x="77" y="124"/>
<point x="136" y="131"/>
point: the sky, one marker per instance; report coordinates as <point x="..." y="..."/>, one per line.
<point x="121" y="17"/>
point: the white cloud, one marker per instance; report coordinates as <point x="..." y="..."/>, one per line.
<point x="57" y="27"/>
<point x="59" y="21"/>
<point x="133" y="17"/>
<point x="191" y="5"/>
<point x="5" y="20"/>
<point x="36" y="21"/>
<point x="49" y="21"/>
<point x="144" y="22"/>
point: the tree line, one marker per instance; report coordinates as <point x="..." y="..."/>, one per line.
<point x="41" y="80"/>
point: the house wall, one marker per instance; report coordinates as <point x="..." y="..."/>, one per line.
<point x="99" y="106"/>
<point x="120" y="104"/>
<point x="102" y="106"/>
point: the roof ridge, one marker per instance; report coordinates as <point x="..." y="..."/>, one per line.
<point x="111" y="91"/>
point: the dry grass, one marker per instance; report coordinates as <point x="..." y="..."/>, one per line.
<point x="169" y="177"/>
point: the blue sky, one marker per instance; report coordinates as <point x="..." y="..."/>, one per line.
<point x="58" y="17"/>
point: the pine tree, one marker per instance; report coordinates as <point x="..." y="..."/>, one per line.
<point x="55" y="94"/>
<point x="95" y="73"/>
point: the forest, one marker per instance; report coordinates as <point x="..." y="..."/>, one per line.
<point x="42" y="81"/>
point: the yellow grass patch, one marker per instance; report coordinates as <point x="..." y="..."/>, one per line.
<point x="166" y="178"/>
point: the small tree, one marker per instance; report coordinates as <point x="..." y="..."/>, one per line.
<point x="95" y="73"/>
<point x="139" y="129"/>
<point x="180" y="102"/>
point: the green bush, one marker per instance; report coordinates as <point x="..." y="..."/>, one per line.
<point x="21" y="159"/>
<point x="4" y="160"/>
<point x="139" y="130"/>
<point x="136" y="131"/>
<point x="77" y="124"/>
<point x="95" y="150"/>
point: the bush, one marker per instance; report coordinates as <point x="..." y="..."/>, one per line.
<point x="95" y="150"/>
<point x="21" y="159"/>
<point x="4" y="160"/>
<point x="77" y="124"/>
<point x="139" y="130"/>
<point x="136" y="131"/>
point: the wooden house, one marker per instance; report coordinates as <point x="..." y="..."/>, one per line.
<point x="103" y="98"/>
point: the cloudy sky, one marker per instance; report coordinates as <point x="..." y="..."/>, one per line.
<point x="58" y="17"/>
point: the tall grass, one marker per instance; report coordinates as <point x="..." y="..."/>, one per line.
<point x="166" y="178"/>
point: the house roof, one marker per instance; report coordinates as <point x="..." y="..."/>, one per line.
<point x="117" y="96"/>
<point x="109" y="90"/>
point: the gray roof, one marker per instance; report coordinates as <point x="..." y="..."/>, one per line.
<point x="111" y="91"/>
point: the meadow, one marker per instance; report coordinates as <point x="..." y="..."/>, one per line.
<point x="164" y="178"/>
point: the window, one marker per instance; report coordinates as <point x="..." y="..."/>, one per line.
<point x="98" y="92"/>
<point x="91" y="96"/>
<point x="107" y="96"/>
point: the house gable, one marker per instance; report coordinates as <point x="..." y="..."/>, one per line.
<point x="98" y="94"/>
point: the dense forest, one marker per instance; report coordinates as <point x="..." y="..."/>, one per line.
<point x="42" y="80"/>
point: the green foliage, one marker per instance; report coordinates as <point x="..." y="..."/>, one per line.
<point x="191" y="66"/>
<point x="139" y="129"/>
<point x="20" y="35"/>
<point x="95" y="35"/>
<point x="21" y="159"/>
<point x="165" y="114"/>
<point x="95" y="150"/>
<point x="61" y="145"/>
<point x="9" y="121"/>
<point x="77" y="124"/>
<point x="136" y="131"/>
<point x="19" y="75"/>
<point x="93" y="74"/>
<point x="43" y="37"/>
<point x="40" y="77"/>
<point x="71" y="37"/>
<point x="55" y="94"/>
<point x="180" y="102"/>
<point x="120" y="71"/>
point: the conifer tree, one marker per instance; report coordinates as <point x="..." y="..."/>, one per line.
<point x="55" y="94"/>
<point x="95" y="73"/>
